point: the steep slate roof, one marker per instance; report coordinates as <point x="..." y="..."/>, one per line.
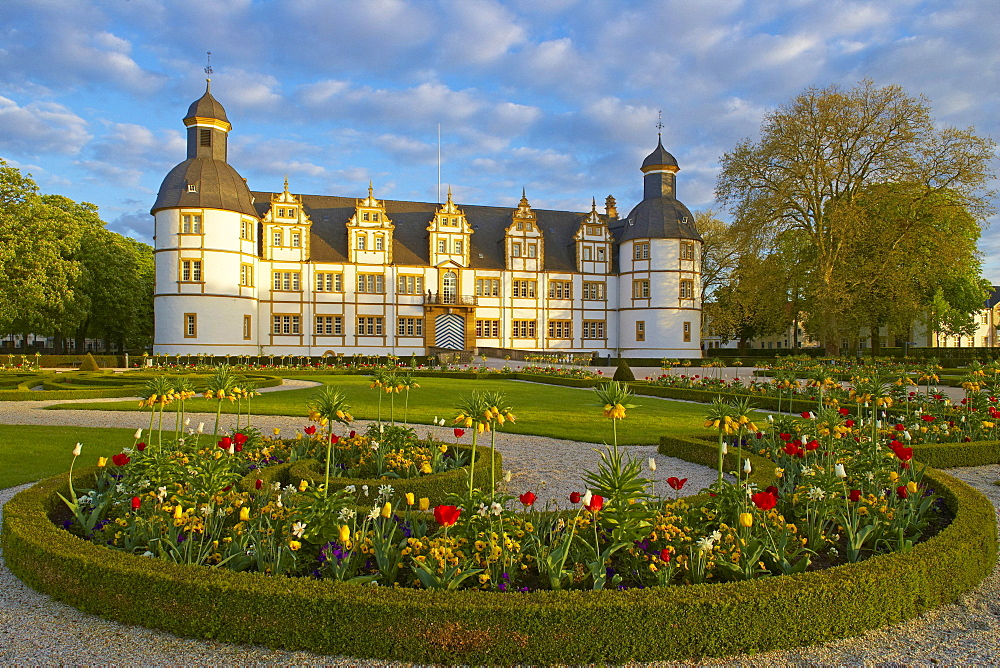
<point x="411" y="244"/>
<point x="219" y="187"/>
<point x="207" y="106"/>
<point x="994" y="297"/>
<point x="656" y="218"/>
<point x="659" y="156"/>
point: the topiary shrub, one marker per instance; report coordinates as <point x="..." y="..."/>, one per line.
<point x="623" y="372"/>
<point x="89" y="364"/>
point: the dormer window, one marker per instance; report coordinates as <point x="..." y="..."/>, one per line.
<point x="532" y="250"/>
<point x="375" y="217"/>
<point x="379" y="242"/>
<point x="277" y="237"/>
<point x="296" y="240"/>
<point x="600" y="255"/>
<point x="516" y="250"/>
<point x="192" y="188"/>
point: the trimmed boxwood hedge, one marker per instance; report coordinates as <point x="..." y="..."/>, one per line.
<point x="85" y="385"/>
<point x="435" y="487"/>
<point x="487" y="627"/>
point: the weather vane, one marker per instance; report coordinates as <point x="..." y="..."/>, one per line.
<point x="208" y="67"/>
<point x="659" y="123"/>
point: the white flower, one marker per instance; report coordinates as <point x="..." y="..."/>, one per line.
<point x="716" y="536"/>
<point x="906" y="435"/>
<point x="161" y="493"/>
<point x="278" y="502"/>
<point x="138" y="434"/>
<point x="507" y="476"/>
<point x="351" y="489"/>
<point x="652" y="465"/>
<point x="385" y="491"/>
<point x="201" y="427"/>
<point x="206" y="510"/>
<point x="435" y="420"/>
<point x="746" y="467"/>
<point x="276" y="486"/>
<point x="373" y="514"/>
<point x="496" y="508"/>
<point x="725" y="448"/>
<point x="298" y="529"/>
<point x="770" y="418"/>
<point x="816" y="494"/>
<point x="804" y="439"/>
<point x="705" y="544"/>
<point x="187" y="423"/>
<point x="364" y="488"/>
<point x="838" y="470"/>
<point x="870" y="477"/>
<point x="119" y="488"/>
<point x="77" y="449"/>
<point x="482" y="510"/>
<point x="147" y="553"/>
<point x="587" y="497"/>
<point x="231" y="449"/>
<point x="346" y="514"/>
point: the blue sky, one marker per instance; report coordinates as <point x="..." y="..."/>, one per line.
<point x="557" y="96"/>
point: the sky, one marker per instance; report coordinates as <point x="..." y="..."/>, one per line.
<point x="559" y="97"/>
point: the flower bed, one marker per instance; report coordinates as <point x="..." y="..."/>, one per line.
<point x="482" y="627"/>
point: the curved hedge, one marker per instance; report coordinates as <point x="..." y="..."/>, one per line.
<point x="86" y="385"/>
<point x="488" y="627"/>
<point x="435" y="487"/>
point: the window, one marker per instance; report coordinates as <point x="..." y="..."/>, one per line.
<point x="641" y="251"/>
<point x="593" y="290"/>
<point x="487" y="287"/>
<point x="593" y="329"/>
<point x="364" y="216"/>
<point x="587" y="253"/>
<point x="410" y="285"/>
<point x="370" y="325"/>
<point x="246" y="275"/>
<point x="520" y="226"/>
<point x="287" y="324"/>
<point x="560" y="290"/>
<point x="458" y="247"/>
<point x="560" y="329"/>
<point x="442" y="246"/>
<point x="524" y="289"/>
<point x="375" y="217"/>
<point x="407" y="326"/>
<point x="246" y="229"/>
<point x="276" y="239"/>
<point x="290" y="213"/>
<point x="190" y="325"/>
<point x="523" y="329"/>
<point x="986" y="341"/>
<point x="286" y="280"/>
<point x="192" y="187"/>
<point x="532" y="250"/>
<point x="687" y="333"/>
<point x="296" y="240"/>
<point x="600" y="253"/>
<point x="329" y="282"/>
<point x="640" y="289"/>
<point x="687" y="250"/>
<point x="329" y="325"/>
<point x="190" y="223"/>
<point x="247" y="327"/>
<point x="516" y="249"/>
<point x="362" y="241"/>
<point x="487" y="329"/>
<point x="687" y="288"/>
<point x="191" y="271"/>
<point x="379" y="242"/>
<point x="371" y="283"/>
<point x="205" y="137"/>
<point x="640" y="330"/>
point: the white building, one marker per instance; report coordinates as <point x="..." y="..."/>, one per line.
<point x="241" y="272"/>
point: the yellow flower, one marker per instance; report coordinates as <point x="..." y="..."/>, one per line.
<point x="244" y="514"/>
<point x="345" y="533"/>
<point x="294" y="545"/>
<point x="893" y="476"/>
<point x="409" y="498"/>
<point x="746" y="520"/>
<point x="303" y="484"/>
<point x="443" y="448"/>
<point x="277" y="431"/>
<point x="387" y="510"/>
<point x="425" y="468"/>
<point x="102" y="462"/>
<point x="425" y="503"/>
<point x="178" y="512"/>
<point x="911" y="487"/>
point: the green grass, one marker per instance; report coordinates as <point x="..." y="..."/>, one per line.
<point x="32" y="452"/>
<point x="543" y="410"/>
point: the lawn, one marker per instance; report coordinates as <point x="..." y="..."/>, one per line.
<point x="543" y="410"/>
<point x="32" y="452"/>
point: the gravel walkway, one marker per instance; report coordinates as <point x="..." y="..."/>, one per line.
<point x="36" y="630"/>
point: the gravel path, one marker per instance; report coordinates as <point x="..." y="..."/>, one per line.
<point x="36" y="630"/>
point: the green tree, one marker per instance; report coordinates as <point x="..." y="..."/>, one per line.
<point x="818" y="155"/>
<point x="753" y="303"/>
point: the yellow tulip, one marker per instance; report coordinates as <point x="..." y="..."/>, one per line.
<point x="277" y="431"/>
<point x="345" y="533"/>
<point x="746" y="520"/>
<point x="425" y="468"/>
<point x="911" y="487"/>
<point x="102" y="462"/>
<point x="425" y="503"/>
<point x="893" y="476"/>
<point x="244" y="514"/>
<point x="409" y="498"/>
<point x="303" y="485"/>
<point x="387" y="510"/>
<point x="178" y="512"/>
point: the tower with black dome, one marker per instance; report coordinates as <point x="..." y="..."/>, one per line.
<point x="659" y="261"/>
<point x="205" y="239"/>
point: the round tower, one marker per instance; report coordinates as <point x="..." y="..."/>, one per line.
<point x="659" y="296"/>
<point x="205" y="241"/>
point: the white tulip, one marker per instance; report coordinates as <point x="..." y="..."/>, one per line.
<point x="201" y="427"/>
<point x="838" y="470"/>
<point x="725" y="448"/>
<point x="77" y="449"/>
<point x="587" y="497"/>
<point x="746" y="467"/>
<point x="138" y="434"/>
<point x="652" y="465"/>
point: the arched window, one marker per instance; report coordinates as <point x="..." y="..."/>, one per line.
<point x="449" y="288"/>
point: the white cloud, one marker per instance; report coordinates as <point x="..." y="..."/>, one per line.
<point x="479" y="32"/>
<point x="41" y="127"/>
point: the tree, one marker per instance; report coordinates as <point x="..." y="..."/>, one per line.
<point x="818" y="155"/>
<point x="719" y="253"/>
<point x="751" y="304"/>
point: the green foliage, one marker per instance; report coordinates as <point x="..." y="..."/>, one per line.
<point x="89" y="364"/>
<point x="623" y="373"/>
<point x="487" y="627"/>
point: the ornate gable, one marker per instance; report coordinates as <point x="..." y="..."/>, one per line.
<point x="450" y="236"/>
<point x="524" y="245"/>
<point x="369" y="232"/>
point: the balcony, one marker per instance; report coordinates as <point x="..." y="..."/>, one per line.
<point x="450" y="300"/>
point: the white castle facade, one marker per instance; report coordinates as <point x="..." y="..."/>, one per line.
<point x="275" y="273"/>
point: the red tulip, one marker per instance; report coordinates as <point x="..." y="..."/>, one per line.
<point x="764" y="501"/>
<point x="225" y="442"/>
<point x="844" y="411"/>
<point x="528" y="498"/>
<point x="596" y="503"/>
<point x="334" y="439"/>
<point x="136" y="502"/>
<point x="121" y="459"/>
<point x="459" y="433"/>
<point x="353" y="434"/>
<point x="855" y="495"/>
<point x="773" y="491"/>
<point x="665" y="554"/>
<point x="676" y="483"/>
<point x="785" y="437"/>
<point x="140" y="447"/>
<point x="805" y="414"/>
<point x="848" y="423"/>
<point x="902" y="492"/>
<point x="258" y="484"/>
<point x="900" y="427"/>
<point x="812" y="445"/>
<point x="447" y="515"/>
<point x="238" y="447"/>
<point x="310" y="430"/>
<point x="904" y="454"/>
<point x="574" y="497"/>
<point x="240" y="438"/>
<point x="927" y="418"/>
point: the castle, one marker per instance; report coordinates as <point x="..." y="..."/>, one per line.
<point x="275" y="273"/>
